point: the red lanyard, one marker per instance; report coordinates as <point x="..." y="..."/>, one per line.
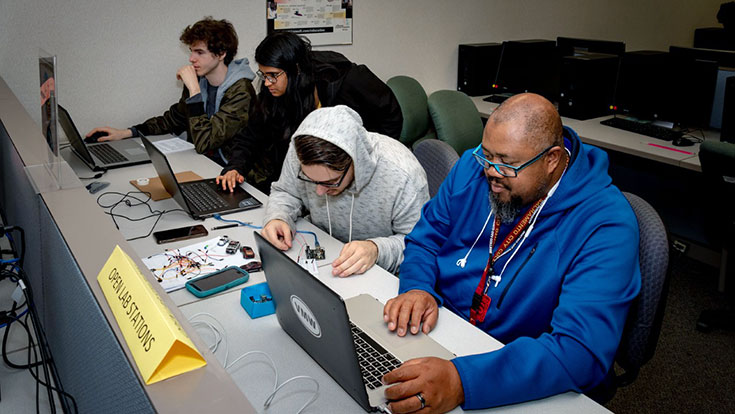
<point x="480" y="299"/>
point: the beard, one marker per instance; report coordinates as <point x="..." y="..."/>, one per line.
<point x="507" y="211"/>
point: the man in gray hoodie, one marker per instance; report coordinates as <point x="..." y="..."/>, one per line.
<point x="364" y="188"/>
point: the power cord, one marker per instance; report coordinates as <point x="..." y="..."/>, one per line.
<point x="125" y="199"/>
<point x="96" y="176"/>
<point x="221" y="337"/>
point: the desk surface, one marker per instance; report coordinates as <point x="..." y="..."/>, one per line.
<point x="592" y="132"/>
<point x="253" y="376"/>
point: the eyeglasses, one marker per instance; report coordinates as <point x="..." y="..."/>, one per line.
<point x="271" y="77"/>
<point x="504" y="169"/>
<point x="331" y="184"/>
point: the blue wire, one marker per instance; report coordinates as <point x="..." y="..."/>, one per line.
<point x="242" y="223"/>
<point x="10" y="261"/>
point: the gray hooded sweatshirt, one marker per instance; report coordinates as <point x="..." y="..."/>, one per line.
<point x="383" y="202"/>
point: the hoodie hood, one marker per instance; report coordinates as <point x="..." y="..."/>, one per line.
<point x="342" y="127"/>
<point x="586" y="174"/>
<point x="236" y="70"/>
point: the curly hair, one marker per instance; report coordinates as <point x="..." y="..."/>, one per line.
<point x="219" y="35"/>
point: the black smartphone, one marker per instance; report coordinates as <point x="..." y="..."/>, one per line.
<point x="217" y="281"/>
<point x="181" y="233"/>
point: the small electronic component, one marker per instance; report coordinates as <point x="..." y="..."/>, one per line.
<point x="233" y="247"/>
<point x="247" y="252"/>
<point x="316" y="253"/>
<point x="262" y="299"/>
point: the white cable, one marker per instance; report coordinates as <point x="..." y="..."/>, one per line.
<point x="463" y="261"/>
<point x="219" y="334"/>
<point x="298" y="377"/>
<point x="272" y="364"/>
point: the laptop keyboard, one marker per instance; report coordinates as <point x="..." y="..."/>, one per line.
<point x="643" y="128"/>
<point x="107" y="154"/>
<point x="202" y="196"/>
<point x="374" y="360"/>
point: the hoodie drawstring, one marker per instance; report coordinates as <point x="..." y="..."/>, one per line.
<point x="329" y="218"/>
<point x="463" y="261"/>
<point x="352" y="207"/>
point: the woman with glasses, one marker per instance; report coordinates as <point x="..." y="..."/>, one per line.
<point x="295" y="81"/>
<point x="365" y="189"/>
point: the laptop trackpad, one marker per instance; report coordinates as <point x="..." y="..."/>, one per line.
<point x="135" y="151"/>
<point x="367" y="312"/>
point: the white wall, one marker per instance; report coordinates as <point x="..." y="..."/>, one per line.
<point x="117" y="59"/>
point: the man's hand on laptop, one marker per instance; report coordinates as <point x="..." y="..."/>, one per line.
<point x="355" y="258"/>
<point x="110" y="134"/>
<point x="415" y="306"/>
<point x="230" y="180"/>
<point x="428" y="385"/>
<point x="278" y="232"/>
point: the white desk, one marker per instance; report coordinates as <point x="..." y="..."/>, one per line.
<point x="592" y="132"/>
<point x="252" y="375"/>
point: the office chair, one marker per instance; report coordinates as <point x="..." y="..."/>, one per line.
<point x="643" y="325"/>
<point x="437" y="157"/>
<point x="413" y="102"/>
<point x="718" y="169"/>
<point x="455" y="119"/>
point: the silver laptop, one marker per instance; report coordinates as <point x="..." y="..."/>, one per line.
<point x="102" y="155"/>
<point x="347" y="338"/>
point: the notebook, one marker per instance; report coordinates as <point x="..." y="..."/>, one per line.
<point x="102" y="155"/>
<point x="348" y="339"/>
<point x="201" y="198"/>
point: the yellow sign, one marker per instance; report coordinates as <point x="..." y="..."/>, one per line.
<point x="160" y="347"/>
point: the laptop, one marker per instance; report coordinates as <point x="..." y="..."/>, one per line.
<point x="102" y="155"/>
<point x="201" y="198"/>
<point x="347" y="338"/>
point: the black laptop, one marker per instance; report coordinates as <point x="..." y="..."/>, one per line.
<point x="201" y="198"/>
<point x="355" y="349"/>
<point x="102" y="155"/>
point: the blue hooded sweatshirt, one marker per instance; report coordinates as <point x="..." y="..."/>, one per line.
<point x="563" y="298"/>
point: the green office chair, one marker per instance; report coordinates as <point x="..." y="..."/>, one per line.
<point x="412" y="100"/>
<point x="456" y="119"/>
<point x="718" y="169"/>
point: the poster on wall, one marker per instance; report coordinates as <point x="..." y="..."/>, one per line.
<point x="323" y="22"/>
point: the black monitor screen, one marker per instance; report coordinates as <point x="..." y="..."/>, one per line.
<point x="528" y="66"/>
<point x="722" y="57"/>
<point x="569" y="46"/>
<point x="691" y="90"/>
<point x="641" y="88"/>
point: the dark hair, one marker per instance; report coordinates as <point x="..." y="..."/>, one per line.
<point x="219" y="35"/>
<point x="292" y="54"/>
<point x="312" y="150"/>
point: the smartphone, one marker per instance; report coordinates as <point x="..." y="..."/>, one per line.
<point x="217" y="281"/>
<point x="181" y="233"/>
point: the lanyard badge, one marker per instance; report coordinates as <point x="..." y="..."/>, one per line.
<point x="480" y="299"/>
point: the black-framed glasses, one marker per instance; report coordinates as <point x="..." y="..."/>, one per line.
<point x="331" y="183"/>
<point x="504" y="169"/>
<point x="271" y="77"/>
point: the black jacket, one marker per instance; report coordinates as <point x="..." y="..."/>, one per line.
<point x="259" y="149"/>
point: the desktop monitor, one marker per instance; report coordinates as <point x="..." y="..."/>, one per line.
<point x="691" y="90"/>
<point x="722" y="57"/>
<point x="570" y="46"/>
<point x="528" y="66"/>
<point x="640" y="91"/>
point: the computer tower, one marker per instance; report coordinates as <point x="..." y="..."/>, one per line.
<point x="477" y="66"/>
<point x="587" y="85"/>
<point x="727" y="133"/>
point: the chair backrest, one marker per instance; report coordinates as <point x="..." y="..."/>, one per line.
<point x="643" y="325"/>
<point x="718" y="167"/>
<point x="456" y="119"/>
<point x="413" y="102"/>
<point x="437" y="158"/>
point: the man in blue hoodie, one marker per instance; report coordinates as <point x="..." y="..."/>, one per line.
<point x="217" y="99"/>
<point x="528" y="240"/>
